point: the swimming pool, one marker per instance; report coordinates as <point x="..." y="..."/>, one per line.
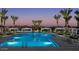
<point x="33" y="39"/>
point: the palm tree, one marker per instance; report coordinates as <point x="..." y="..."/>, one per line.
<point x="77" y="17"/>
<point x="14" y="18"/>
<point x="4" y="21"/>
<point x="57" y="17"/>
<point x="2" y="14"/>
<point x="5" y="18"/>
<point x="66" y="15"/>
<point x="36" y="25"/>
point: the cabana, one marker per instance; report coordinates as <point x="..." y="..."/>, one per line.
<point x="46" y="30"/>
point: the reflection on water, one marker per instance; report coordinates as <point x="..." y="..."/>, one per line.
<point x="31" y="40"/>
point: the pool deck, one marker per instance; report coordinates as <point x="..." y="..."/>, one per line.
<point x="65" y="44"/>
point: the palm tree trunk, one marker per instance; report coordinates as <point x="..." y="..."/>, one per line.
<point x="57" y="23"/>
<point x="14" y="23"/>
<point x="1" y="24"/>
<point x="4" y="25"/>
<point x="66" y="28"/>
<point x="77" y="23"/>
<point x="4" y="22"/>
<point x="1" y="21"/>
<point x="66" y="23"/>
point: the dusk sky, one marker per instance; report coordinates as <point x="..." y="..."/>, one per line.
<point x="26" y="15"/>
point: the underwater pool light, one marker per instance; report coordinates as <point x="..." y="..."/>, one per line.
<point x="12" y="42"/>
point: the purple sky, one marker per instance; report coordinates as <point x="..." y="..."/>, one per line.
<point x="26" y="15"/>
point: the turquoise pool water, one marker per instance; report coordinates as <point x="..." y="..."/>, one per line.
<point x="31" y="40"/>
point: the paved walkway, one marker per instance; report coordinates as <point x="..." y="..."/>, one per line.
<point x="67" y="42"/>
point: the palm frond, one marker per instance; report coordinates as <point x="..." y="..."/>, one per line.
<point x="77" y="13"/>
<point x="57" y="16"/>
<point x="4" y="11"/>
<point x="77" y="18"/>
